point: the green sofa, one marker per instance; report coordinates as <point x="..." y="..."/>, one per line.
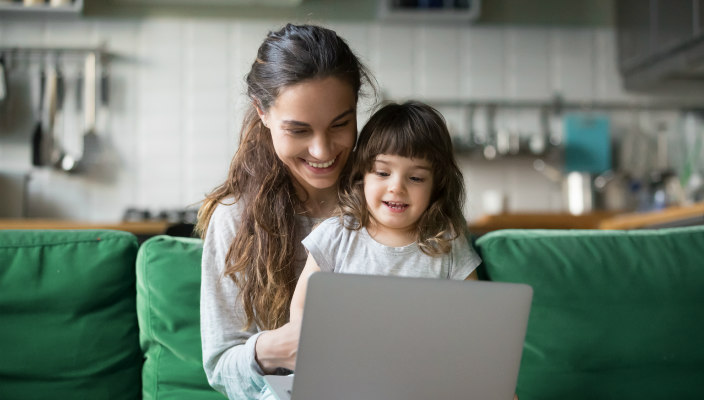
<point x="90" y="315"/>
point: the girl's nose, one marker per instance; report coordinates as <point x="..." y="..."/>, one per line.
<point x="320" y="147"/>
<point x="396" y="185"/>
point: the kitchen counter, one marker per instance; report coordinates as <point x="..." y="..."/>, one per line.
<point x="669" y="217"/>
<point x="147" y="228"/>
<point x="673" y="216"/>
<point x="488" y="223"/>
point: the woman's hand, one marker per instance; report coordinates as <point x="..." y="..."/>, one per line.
<point x="278" y="348"/>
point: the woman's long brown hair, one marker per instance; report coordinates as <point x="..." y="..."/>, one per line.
<point x="261" y="258"/>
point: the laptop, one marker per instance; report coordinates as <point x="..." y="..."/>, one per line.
<point x="379" y="337"/>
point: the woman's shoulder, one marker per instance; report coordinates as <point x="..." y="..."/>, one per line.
<point x="226" y="216"/>
<point x="228" y="207"/>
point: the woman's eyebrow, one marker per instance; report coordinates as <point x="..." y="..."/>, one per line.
<point x="344" y="114"/>
<point x="305" y="124"/>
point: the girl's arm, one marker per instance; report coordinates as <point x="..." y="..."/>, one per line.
<point x="299" y="295"/>
<point x="472" y="277"/>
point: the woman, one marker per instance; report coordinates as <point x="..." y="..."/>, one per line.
<point x="295" y="140"/>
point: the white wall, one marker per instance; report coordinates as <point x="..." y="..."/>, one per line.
<point x="177" y="100"/>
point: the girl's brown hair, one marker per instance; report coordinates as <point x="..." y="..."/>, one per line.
<point x="260" y="260"/>
<point x="413" y="130"/>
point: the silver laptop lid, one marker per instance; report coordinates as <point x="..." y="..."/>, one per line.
<point x="372" y="337"/>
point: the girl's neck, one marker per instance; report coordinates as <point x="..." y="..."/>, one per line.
<point x="391" y="237"/>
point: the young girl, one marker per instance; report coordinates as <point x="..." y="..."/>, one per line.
<point x="400" y="205"/>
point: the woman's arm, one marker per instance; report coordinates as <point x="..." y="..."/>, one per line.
<point x="229" y="358"/>
<point x="299" y="296"/>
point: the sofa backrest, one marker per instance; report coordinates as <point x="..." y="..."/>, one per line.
<point x="168" y="307"/>
<point x="615" y="314"/>
<point x="68" y="321"/>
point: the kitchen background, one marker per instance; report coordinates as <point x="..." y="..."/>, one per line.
<point x="166" y="122"/>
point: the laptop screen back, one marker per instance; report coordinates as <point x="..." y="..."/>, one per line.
<point x="372" y="337"/>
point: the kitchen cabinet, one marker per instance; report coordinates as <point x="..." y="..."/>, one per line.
<point x="634" y="27"/>
<point x="674" y="25"/>
<point x="660" y="40"/>
<point x="440" y="11"/>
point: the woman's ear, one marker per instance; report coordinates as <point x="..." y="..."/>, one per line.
<point x="260" y="112"/>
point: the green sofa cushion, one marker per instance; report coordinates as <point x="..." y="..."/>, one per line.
<point x="168" y="308"/>
<point x="68" y="316"/>
<point x="615" y="314"/>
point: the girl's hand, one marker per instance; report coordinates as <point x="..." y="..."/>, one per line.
<point x="278" y="348"/>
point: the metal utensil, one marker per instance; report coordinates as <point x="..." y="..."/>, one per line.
<point x="490" y="138"/>
<point x="59" y="133"/>
<point x="90" y="138"/>
<point x="72" y="161"/>
<point x="37" y="135"/>
<point x="50" y="153"/>
<point x="3" y="79"/>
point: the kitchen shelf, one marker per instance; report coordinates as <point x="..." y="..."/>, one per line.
<point x="561" y="104"/>
<point x="20" y="10"/>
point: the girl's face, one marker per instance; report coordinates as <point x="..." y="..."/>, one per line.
<point x="313" y="127"/>
<point x="397" y="191"/>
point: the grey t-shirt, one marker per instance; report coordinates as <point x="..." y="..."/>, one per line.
<point x="228" y="350"/>
<point x="338" y="249"/>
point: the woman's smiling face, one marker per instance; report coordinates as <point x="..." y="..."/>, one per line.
<point x="313" y="127"/>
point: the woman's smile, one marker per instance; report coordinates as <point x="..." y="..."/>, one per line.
<point x="322" y="167"/>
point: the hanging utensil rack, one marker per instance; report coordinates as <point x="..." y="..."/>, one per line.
<point x="40" y="53"/>
<point x="497" y="142"/>
<point x="93" y="78"/>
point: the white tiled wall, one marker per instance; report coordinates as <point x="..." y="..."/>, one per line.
<point x="177" y="101"/>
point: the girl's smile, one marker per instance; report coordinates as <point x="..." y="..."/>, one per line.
<point x="395" y="207"/>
